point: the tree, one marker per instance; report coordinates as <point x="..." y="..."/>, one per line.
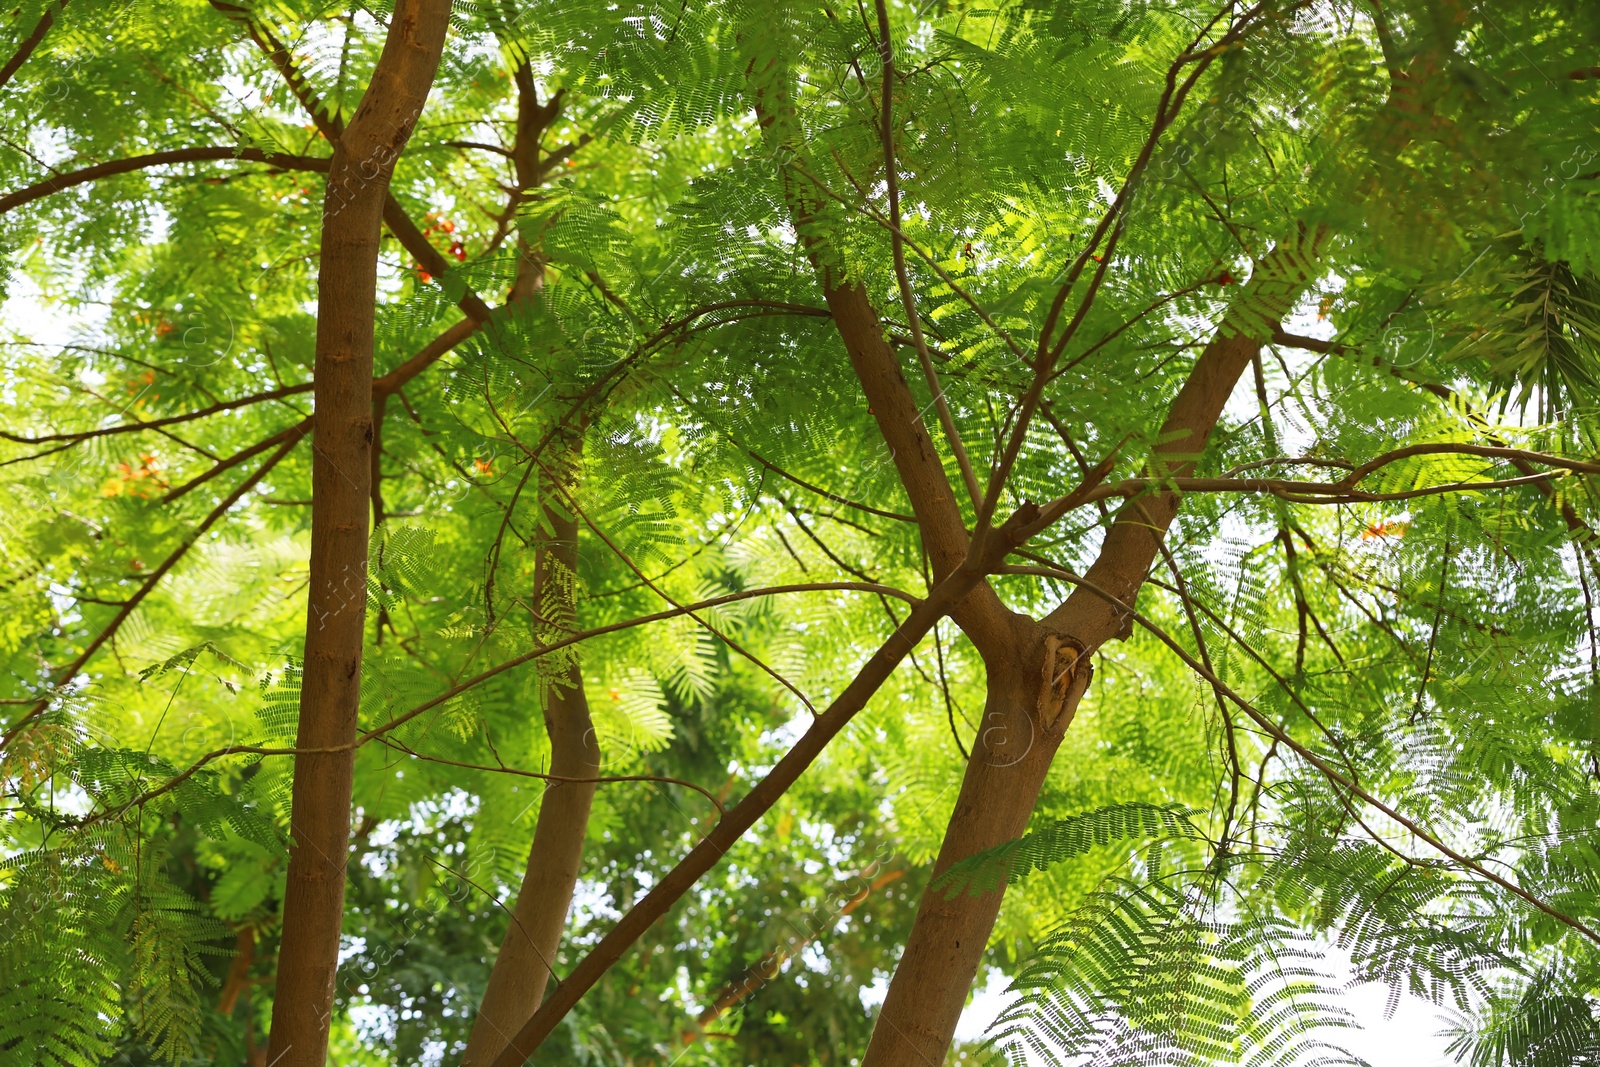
<point x="1092" y="490"/>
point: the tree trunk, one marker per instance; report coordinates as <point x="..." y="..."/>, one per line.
<point x="527" y="955"/>
<point x="733" y="824"/>
<point x="1025" y="718"/>
<point x="1010" y="758"/>
<point x="528" y="952"/>
<point x="358" y="181"/>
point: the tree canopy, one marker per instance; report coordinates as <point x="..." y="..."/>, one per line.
<point x="687" y="533"/>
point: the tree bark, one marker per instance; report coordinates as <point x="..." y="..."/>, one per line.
<point x="760" y="799"/>
<point x="525" y="964"/>
<point x="889" y="398"/>
<point x="1025" y="716"/>
<point x="363" y="161"/>
<point x="527" y="954"/>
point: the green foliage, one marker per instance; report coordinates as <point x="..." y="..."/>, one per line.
<point x="1545" y="1022"/>
<point x="670" y="382"/>
<point x="1061" y="839"/>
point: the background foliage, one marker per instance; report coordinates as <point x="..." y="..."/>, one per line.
<point x="1187" y="869"/>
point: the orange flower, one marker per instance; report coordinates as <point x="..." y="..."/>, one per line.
<point x="1385" y="528"/>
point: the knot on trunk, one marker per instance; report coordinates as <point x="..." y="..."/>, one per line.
<point x="1062" y="655"/>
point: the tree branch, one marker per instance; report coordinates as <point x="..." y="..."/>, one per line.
<point x="379" y="733"/>
<point x="1332" y="773"/>
<point x="902" y="276"/>
<point x="25" y="49"/>
<point x="156" y="424"/>
<point x="66" y="673"/>
<point x="202" y="154"/>
<point x="944" y="596"/>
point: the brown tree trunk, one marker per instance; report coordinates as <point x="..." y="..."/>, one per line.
<point x="527" y="954"/>
<point x="1025" y="717"/>
<point x="525" y="964"/>
<point x="1010" y="757"/>
<point x="733" y="824"/>
<point x="358" y="181"/>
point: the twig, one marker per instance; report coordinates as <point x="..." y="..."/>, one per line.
<point x="902" y="277"/>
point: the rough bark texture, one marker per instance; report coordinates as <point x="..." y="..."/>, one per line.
<point x="363" y="161"/>
<point x="1016" y="745"/>
<point x="523" y="967"/>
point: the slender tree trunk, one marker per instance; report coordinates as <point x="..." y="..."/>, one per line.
<point x="524" y="966"/>
<point x="527" y="955"/>
<point x="1026" y="717"/>
<point x="358" y="181"/>
<point x="733" y="824"/>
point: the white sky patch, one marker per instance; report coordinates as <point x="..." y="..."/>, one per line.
<point x="1411" y="1037"/>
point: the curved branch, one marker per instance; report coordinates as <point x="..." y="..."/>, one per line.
<point x="660" y="779"/>
<point x="1327" y="770"/>
<point x="941" y="600"/>
<point x="616" y="549"/>
<point x="1344" y="491"/>
<point x="659" y="616"/>
<point x="203" y="154"/>
<point x="156" y="424"/>
<point x="377" y="733"/>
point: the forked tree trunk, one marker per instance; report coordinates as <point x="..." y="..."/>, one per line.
<point x="358" y="180"/>
<point x="1023" y="726"/>
<point x="1014" y="749"/>
<point x="527" y="954"/>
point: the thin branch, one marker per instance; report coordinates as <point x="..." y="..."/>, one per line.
<point x="1108" y="230"/>
<point x="836" y="498"/>
<point x="768" y="966"/>
<point x="902" y="277"/>
<point x="1222" y="705"/>
<point x="379" y="733"/>
<point x="1332" y="773"/>
<point x="296" y="431"/>
<point x="61" y="182"/>
<point x="503" y="769"/>
<point x="659" y="616"/>
<point x="941" y="600"/>
<point x="949" y="703"/>
<point x="66" y="673"/>
<point x="156" y="424"/>
<point x="480" y="146"/>
<point x="616" y="549"/>
<point x="501" y="905"/>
